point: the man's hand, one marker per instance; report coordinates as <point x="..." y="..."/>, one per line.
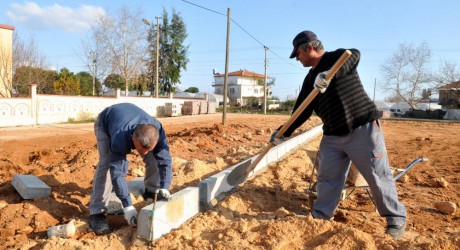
<point x="320" y="82"/>
<point x="163" y="194"/>
<point x="276" y="140"/>
<point x="130" y="214"/>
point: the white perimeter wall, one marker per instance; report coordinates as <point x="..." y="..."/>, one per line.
<point x="46" y="109"/>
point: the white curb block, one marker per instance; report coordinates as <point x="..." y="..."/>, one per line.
<point x="187" y="202"/>
<point x="169" y="215"/>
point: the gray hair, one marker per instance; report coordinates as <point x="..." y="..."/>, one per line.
<point x="317" y="45"/>
<point x="146" y="134"/>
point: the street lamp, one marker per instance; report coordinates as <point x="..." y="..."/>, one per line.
<point x="146" y="22"/>
<point x="157" y="52"/>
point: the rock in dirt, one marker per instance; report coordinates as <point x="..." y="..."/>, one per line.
<point x="340" y="215"/>
<point x="25" y="230"/>
<point x="440" y="182"/>
<point x="260" y="131"/>
<point x="218" y="161"/>
<point x="3" y="204"/>
<point x="6" y="232"/>
<point x="403" y="179"/>
<point x="242" y="226"/>
<point x="247" y="135"/>
<point x="9" y="243"/>
<point x="281" y="213"/>
<point x="446" y="207"/>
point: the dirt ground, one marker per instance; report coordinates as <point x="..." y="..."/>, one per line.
<point x="268" y="212"/>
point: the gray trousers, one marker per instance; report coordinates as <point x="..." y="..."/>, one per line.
<point x="365" y="147"/>
<point x="102" y="183"/>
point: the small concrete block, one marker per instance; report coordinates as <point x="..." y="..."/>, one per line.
<point x="136" y="185"/>
<point x="30" y="186"/>
<point x="169" y="215"/>
<point x="136" y="189"/>
<point x="211" y="187"/>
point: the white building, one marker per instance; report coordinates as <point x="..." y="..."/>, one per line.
<point x="242" y="85"/>
<point x="6" y="60"/>
<point x="399" y="108"/>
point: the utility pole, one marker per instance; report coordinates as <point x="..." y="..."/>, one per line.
<point x="265" y="81"/>
<point x="94" y="71"/>
<point x="224" y="112"/>
<point x="157" y="57"/>
<point x="375" y="83"/>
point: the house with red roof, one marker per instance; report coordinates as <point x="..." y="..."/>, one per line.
<point x="449" y="95"/>
<point x="244" y="87"/>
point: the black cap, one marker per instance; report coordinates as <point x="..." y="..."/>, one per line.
<point x="305" y="36"/>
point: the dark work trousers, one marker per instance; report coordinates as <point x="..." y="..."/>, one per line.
<point x="365" y="147"/>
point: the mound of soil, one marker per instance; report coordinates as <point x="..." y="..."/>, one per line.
<point x="268" y="212"/>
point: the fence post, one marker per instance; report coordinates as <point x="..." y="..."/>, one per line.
<point x="117" y="93"/>
<point x="33" y="102"/>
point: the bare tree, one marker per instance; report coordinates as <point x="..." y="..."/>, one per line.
<point x="118" y="45"/>
<point x="406" y="72"/>
<point x="448" y="72"/>
<point x="24" y="55"/>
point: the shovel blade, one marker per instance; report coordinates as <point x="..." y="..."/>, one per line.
<point x="240" y="173"/>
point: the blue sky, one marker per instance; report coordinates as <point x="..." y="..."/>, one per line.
<point x="376" y="28"/>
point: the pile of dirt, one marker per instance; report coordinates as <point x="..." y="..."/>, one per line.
<point x="270" y="211"/>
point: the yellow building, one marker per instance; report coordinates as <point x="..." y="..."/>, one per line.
<point x="6" y="60"/>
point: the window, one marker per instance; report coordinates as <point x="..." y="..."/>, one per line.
<point x="256" y="91"/>
<point x="232" y="90"/>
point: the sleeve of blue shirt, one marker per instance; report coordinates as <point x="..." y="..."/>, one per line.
<point x="119" y="167"/>
<point x="118" y="170"/>
<point x="163" y="156"/>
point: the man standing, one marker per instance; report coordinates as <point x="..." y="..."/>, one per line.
<point x="119" y="129"/>
<point x="351" y="132"/>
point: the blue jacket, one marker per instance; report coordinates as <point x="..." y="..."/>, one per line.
<point x="119" y="122"/>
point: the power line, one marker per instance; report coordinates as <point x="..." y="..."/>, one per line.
<point x="263" y="45"/>
<point x="241" y="27"/>
<point x="204" y="8"/>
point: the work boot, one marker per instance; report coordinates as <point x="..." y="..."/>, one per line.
<point x="98" y="224"/>
<point x="396" y="231"/>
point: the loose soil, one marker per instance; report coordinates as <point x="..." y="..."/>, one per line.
<point x="267" y="212"/>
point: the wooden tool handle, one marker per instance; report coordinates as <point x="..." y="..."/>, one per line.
<point x="337" y="65"/>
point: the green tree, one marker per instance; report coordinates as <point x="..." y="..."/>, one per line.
<point x="192" y="90"/>
<point x="66" y="83"/>
<point x="141" y="84"/>
<point x="86" y="83"/>
<point x="25" y="75"/>
<point x="289" y="103"/>
<point x="114" y="81"/>
<point x="172" y="52"/>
